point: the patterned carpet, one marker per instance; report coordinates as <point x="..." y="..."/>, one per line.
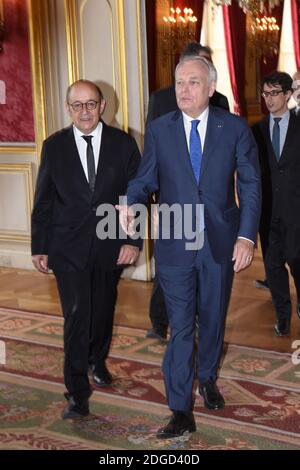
<point x="261" y="389"/>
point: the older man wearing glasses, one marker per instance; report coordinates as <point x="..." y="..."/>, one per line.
<point x="278" y="140"/>
<point x="82" y="167"/>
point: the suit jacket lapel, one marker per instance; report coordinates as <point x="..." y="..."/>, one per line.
<point x="292" y="128"/>
<point x="104" y="154"/>
<point x="73" y="159"/>
<point x="106" y="148"/>
<point x="289" y="135"/>
<point x="212" y="138"/>
<point x="266" y="133"/>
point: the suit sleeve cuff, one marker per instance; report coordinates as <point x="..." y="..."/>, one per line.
<point x="248" y="239"/>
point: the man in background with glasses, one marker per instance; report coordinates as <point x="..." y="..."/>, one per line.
<point x="82" y="167"/>
<point x="278" y="140"/>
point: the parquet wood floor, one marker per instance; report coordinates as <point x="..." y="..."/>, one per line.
<point x="250" y="318"/>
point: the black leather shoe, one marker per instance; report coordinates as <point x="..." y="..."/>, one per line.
<point x="157" y="333"/>
<point x="213" y="399"/>
<point x="259" y="284"/>
<point x="282" y="327"/>
<point x="102" y="379"/>
<point x="179" y="423"/>
<point x="76" y="409"/>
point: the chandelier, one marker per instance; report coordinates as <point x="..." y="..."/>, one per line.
<point x="178" y="29"/>
<point x="250" y="6"/>
<point x="263" y="36"/>
<point x="263" y="31"/>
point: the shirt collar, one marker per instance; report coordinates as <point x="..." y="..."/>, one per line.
<point x="202" y="117"/>
<point x="284" y="116"/>
<point x="95" y="133"/>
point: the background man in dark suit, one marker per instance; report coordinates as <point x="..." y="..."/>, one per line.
<point x="278" y="141"/>
<point x="190" y="157"/>
<point x="82" y="167"/>
<point x="162" y="102"/>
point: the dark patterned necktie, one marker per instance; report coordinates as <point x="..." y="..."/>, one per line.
<point x="90" y="161"/>
<point x="276" y="138"/>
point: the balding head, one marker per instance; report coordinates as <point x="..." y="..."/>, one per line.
<point x="85" y="104"/>
<point x="88" y="84"/>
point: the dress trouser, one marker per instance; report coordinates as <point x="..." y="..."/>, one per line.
<point x="206" y="284"/>
<point x="283" y="247"/>
<point x="158" y="311"/>
<point x="88" y="301"/>
<point x="264" y="231"/>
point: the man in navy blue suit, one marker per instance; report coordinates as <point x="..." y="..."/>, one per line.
<point x="191" y="157"/>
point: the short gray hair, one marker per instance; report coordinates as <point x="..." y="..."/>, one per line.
<point x="212" y="71"/>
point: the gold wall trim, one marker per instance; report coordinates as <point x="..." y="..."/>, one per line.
<point x="113" y="47"/>
<point x="81" y="13"/>
<point x="142" y="122"/>
<point x="37" y="72"/>
<point x="140" y="67"/>
<point x="17" y="150"/>
<point x="14" y="237"/>
<point x="72" y="40"/>
<point x="121" y="52"/>
<point x="51" y="82"/>
<point x="26" y="169"/>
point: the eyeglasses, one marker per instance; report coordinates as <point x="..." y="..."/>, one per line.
<point x="265" y="94"/>
<point x="78" y="106"/>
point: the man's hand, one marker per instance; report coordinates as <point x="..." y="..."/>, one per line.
<point x="126" y="218"/>
<point x="40" y="262"/>
<point x="242" y="254"/>
<point x="128" y="254"/>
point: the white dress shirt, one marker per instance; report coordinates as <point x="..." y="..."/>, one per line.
<point x="283" y="127"/>
<point x="82" y="146"/>
<point x="201" y="128"/>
